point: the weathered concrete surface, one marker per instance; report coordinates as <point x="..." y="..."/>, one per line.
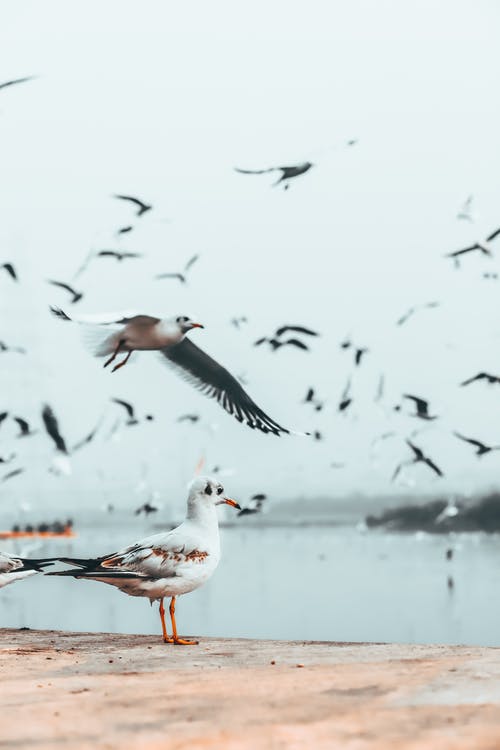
<point x="81" y="690"/>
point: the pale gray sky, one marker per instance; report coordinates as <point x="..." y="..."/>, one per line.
<point x="162" y="100"/>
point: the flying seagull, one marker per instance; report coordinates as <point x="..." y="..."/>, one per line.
<point x="490" y="379"/>
<point x="276" y="344"/>
<point x="254" y="506"/>
<point x="193" y="418"/>
<point x="481" y="448"/>
<point x="418" y="457"/>
<point x="465" y="211"/>
<point x="141" y="206"/>
<point x="12" y="474"/>
<point x="15" y="81"/>
<point x="167" y="564"/>
<point x="118" y="254"/>
<point x="287" y="173"/>
<point x="17" y="349"/>
<point x="296" y="329"/>
<point x="87" y="439"/>
<point x="180" y="276"/>
<point x="10" y="270"/>
<point x="24" y="427"/>
<point x="483" y="246"/>
<point x="132" y="419"/>
<point x="412" y="310"/>
<point x="52" y="427"/>
<point x="146" y="508"/>
<point x="422" y="407"/>
<point x="76" y="296"/>
<point x="345" y="399"/>
<point x="125" y="230"/>
<point x="311" y="399"/>
<point x="144" y="332"/>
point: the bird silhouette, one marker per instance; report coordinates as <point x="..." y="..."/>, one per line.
<point x="24" y="427"/>
<point x="483" y="247"/>
<point x="75" y="296"/>
<point x="182" y="277"/>
<point x="9" y="268"/>
<point x="287" y="173"/>
<point x="141" y="206"/>
<point x="422" y="407"/>
<point x="490" y="379"/>
<point x="15" y="81"/>
<point x="52" y="427"/>
<point x="418" y="457"/>
<point x="118" y="254"/>
<point x="481" y="448"/>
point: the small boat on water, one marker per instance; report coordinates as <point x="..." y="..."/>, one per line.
<point x="55" y="530"/>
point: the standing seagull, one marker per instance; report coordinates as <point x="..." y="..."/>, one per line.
<point x="418" y="457"/>
<point x="168" y="564"/>
<point x="141" y="206"/>
<point x="143" y="332"/>
<point x="14" y="568"/>
<point x="287" y="173"/>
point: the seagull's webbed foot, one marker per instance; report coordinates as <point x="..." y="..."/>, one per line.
<point x="184" y="642"/>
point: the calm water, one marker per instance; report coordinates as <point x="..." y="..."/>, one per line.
<point x="327" y="583"/>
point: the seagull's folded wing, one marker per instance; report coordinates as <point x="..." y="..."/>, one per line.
<point x="214" y="380"/>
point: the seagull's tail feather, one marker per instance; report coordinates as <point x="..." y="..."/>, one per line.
<point x="98" y="340"/>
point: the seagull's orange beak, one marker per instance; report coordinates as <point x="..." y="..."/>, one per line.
<point x="228" y="501"/>
<point x="197" y="325"/>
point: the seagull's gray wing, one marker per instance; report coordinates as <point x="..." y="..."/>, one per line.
<point x="256" y="171"/>
<point x="210" y="377"/>
<point x="15" y="81"/>
<point x="493" y="235"/>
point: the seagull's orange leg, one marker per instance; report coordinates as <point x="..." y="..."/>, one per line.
<point x="115" y="353"/>
<point x="166" y="639"/>
<point x="178" y="641"/>
<point x="123" y="362"/>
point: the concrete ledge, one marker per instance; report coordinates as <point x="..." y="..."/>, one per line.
<point x="88" y="690"/>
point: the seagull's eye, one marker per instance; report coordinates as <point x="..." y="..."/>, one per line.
<point x="220" y="490"/>
<point x="208" y="490"/>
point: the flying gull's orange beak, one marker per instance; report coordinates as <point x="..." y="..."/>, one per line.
<point x="228" y="501"/>
<point x="197" y="325"/>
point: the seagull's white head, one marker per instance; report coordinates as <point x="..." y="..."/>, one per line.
<point x="208" y="492"/>
<point x="185" y="323"/>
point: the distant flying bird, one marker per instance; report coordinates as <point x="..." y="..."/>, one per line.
<point x="311" y="399"/>
<point x="87" y="439"/>
<point x="180" y="276"/>
<point x="345" y="399"/>
<point x="481" y="448"/>
<point x="483" y="247"/>
<point x="254" y="506"/>
<point x="144" y="332"/>
<point x="52" y="427"/>
<point x="76" y="296"/>
<point x="141" y="206"/>
<point x="146" y="508"/>
<point x="465" y="212"/>
<point x="12" y="474"/>
<point x="7" y="459"/>
<point x="419" y="457"/>
<point x="10" y="270"/>
<point x="422" y="407"/>
<point x="276" y="344"/>
<point x="380" y="388"/>
<point x="493" y="276"/>
<point x="236" y="322"/>
<point x="287" y="173"/>
<point x="6" y="348"/>
<point x="188" y="418"/>
<point x="296" y="329"/>
<point x="490" y="379"/>
<point x="132" y="419"/>
<point x="24" y="427"/>
<point x="317" y="435"/>
<point x="118" y="254"/>
<point x="412" y="310"/>
<point x="358" y="355"/>
<point x="3" y="415"/>
<point x="15" y="81"/>
<point x="13" y="568"/>
<point x="125" y="230"/>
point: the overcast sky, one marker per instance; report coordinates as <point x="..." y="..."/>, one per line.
<point x="162" y="100"/>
